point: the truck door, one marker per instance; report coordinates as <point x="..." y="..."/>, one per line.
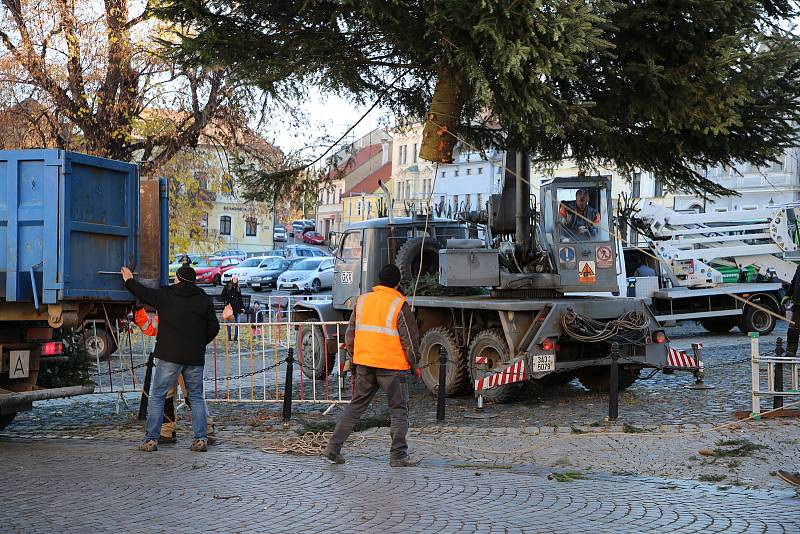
<point x="347" y="274"/>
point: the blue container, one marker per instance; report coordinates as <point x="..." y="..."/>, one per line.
<point x="65" y="218"/>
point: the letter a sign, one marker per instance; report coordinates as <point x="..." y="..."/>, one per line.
<point x="586" y="272"/>
<point x="19" y="363"/>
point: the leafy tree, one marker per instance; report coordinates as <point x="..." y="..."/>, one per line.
<point x="664" y="86"/>
<point x="89" y="76"/>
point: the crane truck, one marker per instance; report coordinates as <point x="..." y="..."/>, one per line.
<point x="720" y="269"/>
<point x="68" y="221"/>
<point x="551" y="308"/>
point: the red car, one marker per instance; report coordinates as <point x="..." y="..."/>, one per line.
<point x="210" y="271"/>
<point x="313" y="238"/>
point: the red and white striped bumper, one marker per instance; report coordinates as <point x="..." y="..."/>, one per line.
<point x="513" y="373"/>
<point x="679" y="358"/>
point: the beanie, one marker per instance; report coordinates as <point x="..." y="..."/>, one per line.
<point x="186" y="274"/>
<point x="389" y="275"/>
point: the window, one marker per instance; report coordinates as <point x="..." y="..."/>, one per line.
<point x="225" y="225"/>
<point x="227" y="185"/>
<point x="351" y="245"/>
<point x="455" y="202"/>
<point x="204" y="222"/>
<point x="467" y="200"/>
<point x="469" y="171"/>
<point x="414" y="155"/>
<point x="444" y="174"/>
<point x="749" y="208"/>
<point x="480" y="199"/>
<point x="480" y="170"/>
<point x="455" y="173"/>
<point x="402" y="155"/>
<point x="721" y="210"/>
<point x="636" y="185"/>
<point x="340" y="196"/>
<point x="358" y="208"/>
<point x="328" y="196"/>
<point x="659" y="188"/>
<point x="250" y="226"/>
<point x="202" y="179"/>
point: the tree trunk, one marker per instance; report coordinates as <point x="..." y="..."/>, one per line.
<point x="441" y="123"/>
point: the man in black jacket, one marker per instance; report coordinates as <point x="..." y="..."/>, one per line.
<point x="187" y="323"/>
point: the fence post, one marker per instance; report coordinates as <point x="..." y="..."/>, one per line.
<point x="613" y="390"/>
<point x="440" y="391"/>
<point x="754" y="375"/>
<point x="777" y="400"/>
<point x="287" y="394"/>
<point x="148" y="376"/>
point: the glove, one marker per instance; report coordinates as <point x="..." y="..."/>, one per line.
<point x="417" y="373"/>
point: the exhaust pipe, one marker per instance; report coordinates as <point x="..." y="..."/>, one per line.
<point x="388" y="196"/>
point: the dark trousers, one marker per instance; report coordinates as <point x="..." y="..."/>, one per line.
<point x="793" y="334"/>
<point x="368" y="380"/>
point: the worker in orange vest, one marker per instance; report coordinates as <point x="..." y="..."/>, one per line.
<point x="149" y="326"/>
<point x="384" y="340"/>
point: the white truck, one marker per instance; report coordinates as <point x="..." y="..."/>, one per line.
<point x="719" y="269"/>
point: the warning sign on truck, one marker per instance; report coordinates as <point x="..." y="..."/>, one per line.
<point x="586" y="272"/>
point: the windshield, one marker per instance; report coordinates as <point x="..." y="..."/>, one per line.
<point x="580" y="214"/>
<point x="252" y="262"/>
<point x="272" y="263"/>
<point x="305" y="265"/>
<point x="209" y="263"/>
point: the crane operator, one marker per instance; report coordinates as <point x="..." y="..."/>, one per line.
<point x="578" y="218"/>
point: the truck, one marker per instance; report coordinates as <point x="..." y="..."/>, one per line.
<point x="549" y="307"/>
<point x="68" y="222"/>
<point x="723" y="270"/>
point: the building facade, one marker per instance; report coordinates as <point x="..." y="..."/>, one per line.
<point x="467" y="183"/>
<point x="412" y="178"/>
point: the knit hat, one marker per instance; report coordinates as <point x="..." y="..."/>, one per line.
<point x="186" y="274"/>
<point x="389" y="275"/>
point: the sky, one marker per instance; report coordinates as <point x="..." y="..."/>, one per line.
<point x="328" y="115"/>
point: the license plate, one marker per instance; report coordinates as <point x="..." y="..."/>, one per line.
<point x="255" y="284"/>
<point x="544" y="362"/>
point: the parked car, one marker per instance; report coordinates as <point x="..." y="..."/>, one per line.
<point x="304" y="251"/>
<point x="279" y="233"/>
<point x="231" y="253"/>
<point x="194" y="259"/>
<point x="313" y="238"/>
<point x="211" y="270"/>
<point x="302" y="226"/>
<point x="312" y="274"/>
<point x="246" y="268"/>
<point x="276" y="252"/>
<point x="267" y="276"/>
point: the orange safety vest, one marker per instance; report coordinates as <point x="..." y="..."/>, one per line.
<point x="377" y="342"/>
<point x="149" y="325"/>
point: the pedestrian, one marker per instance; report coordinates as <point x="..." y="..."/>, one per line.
<point x="187" y="324"/>
<point x="232" y="296"/>
<point x="255" y="311"/>
<point x="384" y="341"/>
<point x="169" y="426"/>
<point x="644" y="270"/>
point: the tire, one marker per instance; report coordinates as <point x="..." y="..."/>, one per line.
<point x="311" y="348"/>
<point x="101" y="346"/>
<point x="491" y="343"/>
<point x="6" y="419"/>
<point x="216" y="281"/>
<point x="597" y="379"/>
<point x="456" y="370"/>
<point x="408" y="257"/>
<point x="316" y="286"/>
<point x="718" y="325"/>
<point x="755" y="320"/>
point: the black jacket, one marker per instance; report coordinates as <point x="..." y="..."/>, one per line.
<point x="186" y="321"/>
<point x="794" y="287"/>
<point x="233" y="296"/>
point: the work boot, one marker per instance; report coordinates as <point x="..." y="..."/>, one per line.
<point x="149" y="446"/>
<point x="211" y="440"/>
<point x="405" y="461"/>
<point x="791" y="478"/>
<point x="199" y="445"/>
<point x="334" y="457"/>
<point x="167" y="439"/>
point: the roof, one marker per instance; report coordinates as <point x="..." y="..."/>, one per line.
<point x="370" y="183"/>
<point x="354" y="162"/>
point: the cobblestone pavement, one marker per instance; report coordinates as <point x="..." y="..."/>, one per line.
<point x="79" y="486"/>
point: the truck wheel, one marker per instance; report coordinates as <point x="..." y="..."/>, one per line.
<point x="597" y="379"/>
<point x="311" y="351"/>
<point x="756" y="320"/>
<point x="456" y="370"/>
<point x="718" y="325"/>
<point x="414" y="251"/>
<point x="6" y="419"/>
<point x="491" y="344"/>
<point x="100" y="344"/>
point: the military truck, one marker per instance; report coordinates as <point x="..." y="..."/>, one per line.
<point x="551" y="305"/>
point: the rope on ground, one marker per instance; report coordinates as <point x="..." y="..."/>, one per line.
<point x="309" y="444"/>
